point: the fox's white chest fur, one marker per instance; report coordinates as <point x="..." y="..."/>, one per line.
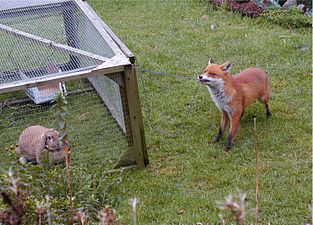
<point x="220" y="99"/>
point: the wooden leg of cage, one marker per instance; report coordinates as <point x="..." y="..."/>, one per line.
<point x="135" y="116"/>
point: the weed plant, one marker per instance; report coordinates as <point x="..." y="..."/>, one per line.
<point x="288" y="18"/>
<point x="90" y="191"/>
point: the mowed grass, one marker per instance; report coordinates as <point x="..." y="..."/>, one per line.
<point x="186" y="175"/>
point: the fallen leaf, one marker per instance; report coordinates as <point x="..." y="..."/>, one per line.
<point x="205" y="17"/>
<point x="181" y="211"/>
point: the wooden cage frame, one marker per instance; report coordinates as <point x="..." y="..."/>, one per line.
<point x="121" y="64"/>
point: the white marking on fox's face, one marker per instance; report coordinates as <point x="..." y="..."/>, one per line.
<point x="216" y="88"/>
<point x="210" y="81"/>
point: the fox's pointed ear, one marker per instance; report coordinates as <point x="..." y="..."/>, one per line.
<point x="211" y="61"/>
<point x="226" y="66"/>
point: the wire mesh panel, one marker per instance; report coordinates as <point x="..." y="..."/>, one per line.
<point x="62" y="22"/>
<point x="35" y="59"/>
<point x="60" y="46"/>
<point x="110" y="95"/>
<point x="95" y="137"/>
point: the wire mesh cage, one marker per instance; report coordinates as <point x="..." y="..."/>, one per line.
<point x="62" y="46"/>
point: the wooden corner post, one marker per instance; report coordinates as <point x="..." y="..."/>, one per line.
<point x="135" y="116"/>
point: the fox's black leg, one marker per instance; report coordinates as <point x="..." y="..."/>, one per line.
<point x="224" y="122"/>
<point x="265" y="100"/>
<point x="234" y="123"/>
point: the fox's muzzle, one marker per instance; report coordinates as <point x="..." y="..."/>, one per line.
<point x="202" y="79"/>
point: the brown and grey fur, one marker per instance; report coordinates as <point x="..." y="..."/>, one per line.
<point x="34" y="141"/>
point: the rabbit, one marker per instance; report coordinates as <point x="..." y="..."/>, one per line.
<point x="35" y="140"/>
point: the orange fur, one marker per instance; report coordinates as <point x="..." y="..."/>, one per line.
<point x="232" y="94"/>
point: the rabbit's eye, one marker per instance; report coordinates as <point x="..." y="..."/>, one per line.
<point x="49" y="138"/>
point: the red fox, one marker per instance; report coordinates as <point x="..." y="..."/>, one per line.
<point x="232" y="94"/>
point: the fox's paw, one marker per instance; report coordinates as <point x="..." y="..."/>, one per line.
<point x="228" y="148"/>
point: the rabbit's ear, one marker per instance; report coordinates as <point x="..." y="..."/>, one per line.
<point x="211" y="61"/>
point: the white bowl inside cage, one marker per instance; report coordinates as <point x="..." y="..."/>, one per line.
<point x="45" y="92"/>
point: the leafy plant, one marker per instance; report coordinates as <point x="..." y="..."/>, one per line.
<point x="289" y="18"/>
<point x="23" y="203"/>
<point x="62" y="111"/>
<point x="39" y="194"/>
<point x="234" y="207"/>
<point x="12" y="197"/>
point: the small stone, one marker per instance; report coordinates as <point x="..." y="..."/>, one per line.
<point x="289" y="3"/>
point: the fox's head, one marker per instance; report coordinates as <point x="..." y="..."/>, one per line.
<point x="215" y="75"/>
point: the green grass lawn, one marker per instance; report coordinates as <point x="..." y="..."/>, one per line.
<point x="186" y="175"/>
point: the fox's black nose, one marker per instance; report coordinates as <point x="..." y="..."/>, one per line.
<point x="200" y="77"/>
